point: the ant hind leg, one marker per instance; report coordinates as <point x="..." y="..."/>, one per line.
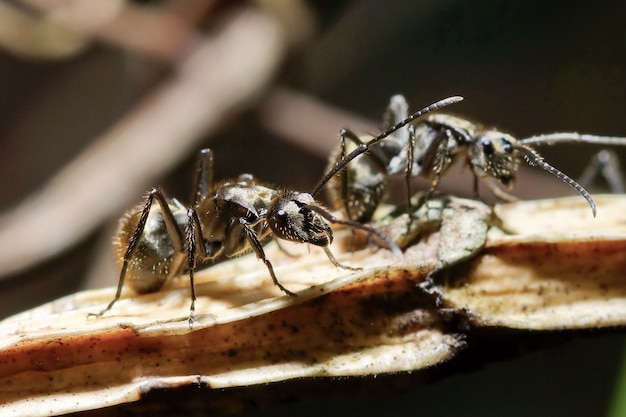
<point x="173" y="232"/>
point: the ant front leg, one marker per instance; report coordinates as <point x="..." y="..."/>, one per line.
<point x="193" y="235"/>
<point x="334" y="261"/>
<point x="144" y="266"/>
<point x="260" y="253"/>
<point x="354" y="225"/>
<point x="606" y="163"/>
<point x="363" y="182"/>
<point x="284" y="250"/>
<point x="434" y="162"/>
<point x="408" y="173"/>
<point x="345" y="186"/>
<point x="343" y="134"/>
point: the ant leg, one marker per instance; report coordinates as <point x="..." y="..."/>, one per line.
<point x="607" y="164"/>
<point x="343" y="133"/>
<point x="500" y="193"/>
<point x="285" y="251"/>
<point x="408" y="172"/>
<point x="476" y="186"/>
<point x="336" y="263"/>
<point x="495" y="189"/>
<point x="355" y="225"/>
<point x="435" y="158"/>
<point x="203" y="179"/>
<point x="397" y="110"/>
<point x="173" y="232"/>
<point x="345" y="197"/>
<point x="193" y="235"/>
<point x="360" y="202"/>
<point x="533" y="158"/>
<point x="258" y="249"/>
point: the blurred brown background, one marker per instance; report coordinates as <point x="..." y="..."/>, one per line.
<point x="527" y="67"/>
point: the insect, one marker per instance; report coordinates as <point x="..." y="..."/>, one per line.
<point x="157" y="242"/>
<point x="604" y="164"/>
<point x="427" y="149"/>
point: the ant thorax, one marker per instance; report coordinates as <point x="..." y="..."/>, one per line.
<point x="223" y="214"/>
<point x="438" y="142"/>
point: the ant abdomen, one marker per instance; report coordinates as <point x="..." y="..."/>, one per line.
<point x="154" y="258"/>
<point x="234" y="210"/>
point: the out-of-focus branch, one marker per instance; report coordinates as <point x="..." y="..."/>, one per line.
<point x="220" y="75"/>
<point x="30" y="36"/>
<point x="64" y="27"/>
<point x="142" y="30"/>
<point x="305" y="121"/>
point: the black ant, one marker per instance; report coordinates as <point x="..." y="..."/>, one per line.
<point x="226" y="219"/>
<point x="158" y="242"/>
<point x="427" y="149"/>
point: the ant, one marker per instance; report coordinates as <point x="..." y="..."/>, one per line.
<point x="427" y="149"/>
<point x="157" y="242"/>
<point x="605" y="164"/>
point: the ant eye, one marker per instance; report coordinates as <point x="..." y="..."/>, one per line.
<point x="506" y="146"/>
<point x="487" y="146"/>
<point x="281" y="214"/>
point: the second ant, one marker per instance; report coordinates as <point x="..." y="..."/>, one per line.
<point x="357" y="180"/>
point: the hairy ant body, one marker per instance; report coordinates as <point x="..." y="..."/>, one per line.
<point x="156" y="242"/>
<point x="427" y="149"/>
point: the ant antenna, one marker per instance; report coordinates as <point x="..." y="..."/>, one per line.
<point x="533" y="158"/>
<point x="553" y="138"/>
<point x="391" y="245"/>
<point x="363" y="147"/>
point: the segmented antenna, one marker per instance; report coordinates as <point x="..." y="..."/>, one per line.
<point x="391" y="245"/>
<point x="552" y="138"/>
<point x="362" y="148"/>
<point x="533" y="158"/>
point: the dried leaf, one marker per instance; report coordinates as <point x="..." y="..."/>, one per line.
<point x="550" y="275"/>
<point x="562" y="269"/>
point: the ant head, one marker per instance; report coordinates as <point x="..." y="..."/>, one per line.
<point x="492" y="155"/>
<point x="293" y="218"/>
